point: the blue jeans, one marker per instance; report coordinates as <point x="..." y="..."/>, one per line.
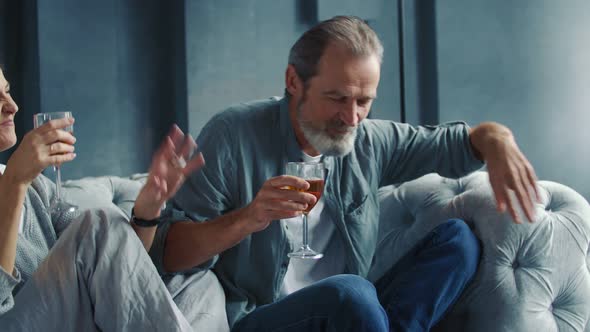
<point x="412" y="296"/>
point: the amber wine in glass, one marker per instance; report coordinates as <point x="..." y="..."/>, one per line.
<point x="313" y="173"/>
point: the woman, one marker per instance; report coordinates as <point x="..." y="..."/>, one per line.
<point x="91" y="273"/>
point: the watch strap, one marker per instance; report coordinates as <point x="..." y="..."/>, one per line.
<point x="142" y="222"/>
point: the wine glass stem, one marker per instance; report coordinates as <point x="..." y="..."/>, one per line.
<point x="305" y="244"/>
<point x="57" y="183"/>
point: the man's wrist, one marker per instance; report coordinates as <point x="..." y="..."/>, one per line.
<point x="487" y="137"/>
<point x="243" y="221"/>
<point x="140" y="221"/>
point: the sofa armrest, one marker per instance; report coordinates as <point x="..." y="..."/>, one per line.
<point x="531" y="277"/>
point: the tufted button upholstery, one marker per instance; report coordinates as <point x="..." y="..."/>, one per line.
<point x="531" y="277"/>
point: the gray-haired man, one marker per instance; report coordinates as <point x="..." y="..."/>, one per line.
<point x="242" y="208"/>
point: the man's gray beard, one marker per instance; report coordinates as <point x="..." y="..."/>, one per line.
<point x="321" y="141"/>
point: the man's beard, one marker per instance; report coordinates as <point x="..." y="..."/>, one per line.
<point x="317" y="135"/>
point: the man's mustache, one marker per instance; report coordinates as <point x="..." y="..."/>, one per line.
<point x="340" y="126"/>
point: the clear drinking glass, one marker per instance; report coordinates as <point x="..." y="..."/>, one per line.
<point x="313" y="173"/>
<point x="58" y="205"/>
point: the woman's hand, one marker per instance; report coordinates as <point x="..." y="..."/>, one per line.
<point x="167" y="173"/>
<point x="40" y="148"/>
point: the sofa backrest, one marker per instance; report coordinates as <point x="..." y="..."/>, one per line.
<point x="93" y="192"/>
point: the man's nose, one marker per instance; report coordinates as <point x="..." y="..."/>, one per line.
<point x="349" y="114"/>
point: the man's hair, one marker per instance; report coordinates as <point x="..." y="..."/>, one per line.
<point x="351" y="32"/>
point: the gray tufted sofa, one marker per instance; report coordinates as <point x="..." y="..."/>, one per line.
<point x="532" y="277"/>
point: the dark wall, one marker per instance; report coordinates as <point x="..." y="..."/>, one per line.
<point x="527" y="65"/>
<point x="128" y="69"/>
<point x="20" y="61"/>
<point x="110" y="63"/>
<point x="237" y="50"/>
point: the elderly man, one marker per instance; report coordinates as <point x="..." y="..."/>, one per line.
<point x="240" y="210"/>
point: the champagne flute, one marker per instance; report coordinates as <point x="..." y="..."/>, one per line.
<point x="313" y="173"/>
<point x="58" y="205"/>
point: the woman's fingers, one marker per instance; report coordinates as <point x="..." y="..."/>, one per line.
<point x="61" y="158"/>
<point x="53" y="125"/>
<point x="60" y="148"/>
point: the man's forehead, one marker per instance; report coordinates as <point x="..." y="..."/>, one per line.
<point x="351" y="92"/>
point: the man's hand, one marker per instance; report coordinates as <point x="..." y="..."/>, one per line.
<point x="280" y="197"/>
<point x="41" y="147"/>
<point x="508" y="169"/>
<point x="167" y="173"/>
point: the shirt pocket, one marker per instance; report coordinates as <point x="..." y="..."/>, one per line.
<point x="362" y="211"/>
<point x="356" y="207"/>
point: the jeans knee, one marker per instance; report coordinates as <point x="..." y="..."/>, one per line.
<point x="356" y="299"/>
<point x="465" y="245"/>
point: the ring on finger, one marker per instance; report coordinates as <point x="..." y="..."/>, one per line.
<point x="52" y="147"/>
<point x="178" y="162"/>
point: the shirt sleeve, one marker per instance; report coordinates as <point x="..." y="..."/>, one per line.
<point x="7" y="284"/>
<point x="409" y="152"/>
<point x="206" y="193"/>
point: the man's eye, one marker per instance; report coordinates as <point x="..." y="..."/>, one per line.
<point x="339" y="99"/>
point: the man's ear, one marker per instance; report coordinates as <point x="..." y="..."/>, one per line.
<point x="293" y="83"/>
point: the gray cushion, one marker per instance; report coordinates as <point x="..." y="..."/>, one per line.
<point x="94" y="192"/>
<point x="532" y="277"/>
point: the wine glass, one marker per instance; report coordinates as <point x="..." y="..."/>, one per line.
<point x="57" y="205"/>
<point x="313" y="173"/>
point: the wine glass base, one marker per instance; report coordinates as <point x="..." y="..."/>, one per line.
<point x="305" y="253"/>
<point x="61" y="208"/>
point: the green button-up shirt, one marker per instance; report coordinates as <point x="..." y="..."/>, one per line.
<point x="250" y="143"/>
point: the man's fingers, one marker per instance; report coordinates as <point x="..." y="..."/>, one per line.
<point x="277" y="215"/>
<point x="532" y="177"/>
<point x="524" y="198"/>
<point x="167" y="149"/>
<point x="513" y="212"/>
<point x="188" y="146"/>
<point x="529" y="190"/>
<point x="282" y="181"/>
<point x="279" y="205"/>
<point x="177" y="136"/>
<point x="500" y="195"/>
<point x="289" y="195"/>
<point x="194" y="164"/>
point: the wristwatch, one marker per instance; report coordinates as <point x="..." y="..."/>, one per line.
<point x="142" y="222"/>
